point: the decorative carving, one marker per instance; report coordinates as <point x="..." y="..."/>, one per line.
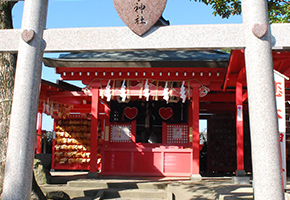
<point x="130" y="113"/>
<point x="165" y="113"/>
<point x="203" y="90"/>
<point x="140" y="15"/>
<point x="259" y="30"/>
<point x="28" y="35"/>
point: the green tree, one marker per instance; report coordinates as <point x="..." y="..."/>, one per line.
<point x="279" y="10"/>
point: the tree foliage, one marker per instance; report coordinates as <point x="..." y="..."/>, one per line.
<point x="279" y="10"/>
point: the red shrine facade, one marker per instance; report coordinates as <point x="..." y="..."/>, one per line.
<point x="138" y="113"/>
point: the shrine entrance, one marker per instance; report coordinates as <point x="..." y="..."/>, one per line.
<point x="147" y="117"/>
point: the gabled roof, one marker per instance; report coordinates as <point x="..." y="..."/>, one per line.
<point x="148" y="58"/>
<point x="236" y="69"/>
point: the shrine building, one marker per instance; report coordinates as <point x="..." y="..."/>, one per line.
<point x="139" y="112"/>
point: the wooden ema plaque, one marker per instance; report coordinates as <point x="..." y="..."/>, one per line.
<point x="140" y="15"/>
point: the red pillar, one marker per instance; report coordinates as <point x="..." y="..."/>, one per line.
<point x="94" y="129"/>
<point x="195" y="131"/>
<point x="239" y="126"/>
<point x="39" y="133"/>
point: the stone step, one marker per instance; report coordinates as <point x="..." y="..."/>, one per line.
<point x="73" y="192"/>
<point x="117" y="184"/>
<point x="133" y="199"/>
<point x="134" y="194"/>
<point x="129" y="190"/>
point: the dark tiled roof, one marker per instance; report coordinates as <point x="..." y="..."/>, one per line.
<point x="147" y="56"/>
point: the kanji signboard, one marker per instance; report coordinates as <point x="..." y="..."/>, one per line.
<point x="280" y="100"/>
<point x="140" y="15"/>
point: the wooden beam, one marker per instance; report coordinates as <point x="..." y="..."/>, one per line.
<point x="66" y="94"/>
<point x="224" y="97"/>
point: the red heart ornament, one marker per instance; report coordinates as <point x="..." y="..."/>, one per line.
<point x="140" y="15"/>
<point x="130" y="113"/>
<point x="165" y="113"/>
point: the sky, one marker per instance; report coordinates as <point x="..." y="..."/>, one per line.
<point x="101" y="13"/>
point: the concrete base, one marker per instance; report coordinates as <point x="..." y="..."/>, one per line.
<point x="195" y="177"/>
<point x="241" y="180"/>
<point x="92" y="175"/>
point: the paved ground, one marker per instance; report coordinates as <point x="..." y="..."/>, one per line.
<point x="209" y="188"/>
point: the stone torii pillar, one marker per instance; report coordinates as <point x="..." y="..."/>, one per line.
<point x="262" y="104"/>
<point x="19" y="163"/>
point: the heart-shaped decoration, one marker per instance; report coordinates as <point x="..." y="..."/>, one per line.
<point x="28" y="35"/>
<point x="130" y="113"/>
<point x="140" y="15"/>
<point x="165" y="113"/>
<point x="259" y="30"/>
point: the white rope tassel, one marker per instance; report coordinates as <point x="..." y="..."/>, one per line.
<point x="123" y="94"/>
<point x="166" y="93"/>
<point x="146" y="90"/>
<point x="108" y="91"/>
<point x="183" y="93"/>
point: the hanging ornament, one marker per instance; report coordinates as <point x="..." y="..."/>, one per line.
<point x="47" y="106"/>
<point x="86" y="91"/>
<point x="183" y="93"/>
<point x="203" y="90"/>
<point x="43" y="105"/>
<point x="51" y="109"/>
<point x="108" y="91"/>
<point x="113" y="89"/>
<point x="101" y="91"/>
<point x="123" y="94"/>
<point x="128" y="89"/>
<point x="146" y="90"/>
<point x="165" y="113"/>
<point x="156" y="88"/>
<point x="166" y="93"/>
<point x="130" y="112"/>
<point x="141" y="90"/>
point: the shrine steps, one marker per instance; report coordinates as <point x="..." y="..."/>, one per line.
<point x="134" y="194"/>
<point x="95" y="189"/>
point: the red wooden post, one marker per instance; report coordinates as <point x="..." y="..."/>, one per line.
<point x="94" y="129"/>
<point x="133" y="130"/>
<point x="195" y="130"/>
<point x="239" y="126"/>
<point x="39" y="133"/>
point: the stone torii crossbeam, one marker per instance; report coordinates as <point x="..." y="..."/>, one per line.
<point x="255" y="35"/>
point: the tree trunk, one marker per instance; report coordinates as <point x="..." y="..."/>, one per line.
<point x="7" y="74"/>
